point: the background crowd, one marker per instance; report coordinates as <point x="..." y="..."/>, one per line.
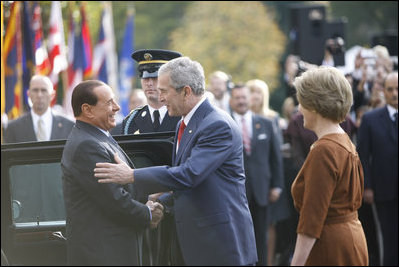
<point x="287" y="146"/>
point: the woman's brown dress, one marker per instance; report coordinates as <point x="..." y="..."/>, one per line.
<point x="327" y="193"/>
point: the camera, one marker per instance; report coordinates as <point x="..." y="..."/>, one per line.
<point x="335" y="45"/>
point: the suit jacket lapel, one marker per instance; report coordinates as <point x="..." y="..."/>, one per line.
<point x="103" y="138"/>
<point x="191" y="128"/>
<point x="30" y="129"/>
<point x="255" y="132"/>
<point x="55" y="128"/>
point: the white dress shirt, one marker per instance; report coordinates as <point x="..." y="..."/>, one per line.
<point x="162" y="113"/>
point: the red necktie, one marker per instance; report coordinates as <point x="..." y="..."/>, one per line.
<point x="245" y="137"/>
<point x="181" y="130"/>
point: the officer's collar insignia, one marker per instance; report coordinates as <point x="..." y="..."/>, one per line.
<point x="147" y="56"/>
<point x="143" y="114"/>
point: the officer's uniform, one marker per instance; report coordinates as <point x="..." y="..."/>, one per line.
<point x="139" y="120"/>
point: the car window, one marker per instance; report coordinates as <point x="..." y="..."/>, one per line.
<point x="36" y="193"/>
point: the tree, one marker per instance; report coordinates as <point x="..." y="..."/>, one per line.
<point x="240" y="38"/>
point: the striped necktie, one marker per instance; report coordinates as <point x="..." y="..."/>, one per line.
<point x="245" y="137"/>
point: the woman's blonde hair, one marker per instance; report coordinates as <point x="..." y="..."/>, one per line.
<point x="326" y="91"/>
<point x="262" y="86"/>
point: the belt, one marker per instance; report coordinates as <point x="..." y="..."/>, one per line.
<point x="341" y="218"/>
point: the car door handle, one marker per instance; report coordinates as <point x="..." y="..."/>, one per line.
<point x="58" y="235"/>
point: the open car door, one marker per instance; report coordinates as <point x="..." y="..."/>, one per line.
<point x="32" y="203"/>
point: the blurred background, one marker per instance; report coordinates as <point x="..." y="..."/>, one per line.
<point x="247" y="40"/>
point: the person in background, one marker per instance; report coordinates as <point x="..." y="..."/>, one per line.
<point x="262" y="164"/>
<point x="278" y="209"/>
<point x="152" y="117"/>
<point x="377" y="143"/>
<point x="41" y="123"/>
<point x="328" y="190"/>
<point x="218" y="86"/>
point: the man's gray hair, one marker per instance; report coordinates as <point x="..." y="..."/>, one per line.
<point x="183" y="71"/>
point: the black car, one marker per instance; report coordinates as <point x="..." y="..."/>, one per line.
<point x="32" y="204"/>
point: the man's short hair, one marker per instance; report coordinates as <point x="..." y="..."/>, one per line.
<point x="83" y="94"/>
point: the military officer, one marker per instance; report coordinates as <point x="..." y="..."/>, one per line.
<point x="152" y="117"/>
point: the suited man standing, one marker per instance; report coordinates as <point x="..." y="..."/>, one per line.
<point x="104" y="222"/>
<point x="212" y="218"/>
<point x="40" y="124"/>
<point x="378" y="150"/>
<point x="262" y="161"/>
<point x="152" y="117"/>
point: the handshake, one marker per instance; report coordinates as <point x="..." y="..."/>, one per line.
<point x="156" y="212"/>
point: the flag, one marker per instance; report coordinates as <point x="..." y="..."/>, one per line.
<point x="126" y="65"/>
<point x="86" y="43"/>
<point x="56" y="45"/>
<point x="43" y="66"/>
<point x="105" y="66"/>
<point x="99" y="54"/>
<point x="13" y="63"/>
<point x="28" y="59"/>
<point x="75" y="65"/>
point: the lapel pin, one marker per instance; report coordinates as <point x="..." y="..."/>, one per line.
<point x="59" y="125"/>
<point x="190" y="131"/>
<point x="143" y="114"/>
<point x="257" y="126"/>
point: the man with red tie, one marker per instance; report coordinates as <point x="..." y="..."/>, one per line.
<point x="212" y="217"/>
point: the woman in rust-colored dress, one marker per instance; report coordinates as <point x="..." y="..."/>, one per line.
<point x="327" y="191"/>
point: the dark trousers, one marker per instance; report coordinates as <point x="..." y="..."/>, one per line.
<point x="260" y="221"/>
<point x="176" y="255"/>
<point x="388" y="217"/>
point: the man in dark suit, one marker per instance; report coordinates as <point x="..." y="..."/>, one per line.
<point x="262" y="162"/>
<point x="154" y="116"/>
<point x="378" y="151"/>
<point x="40" y="124"/>
<point x="212" y="218"/>
<point x="104" y="222"/>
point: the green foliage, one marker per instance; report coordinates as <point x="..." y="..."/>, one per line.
<point x="239" y="38"/>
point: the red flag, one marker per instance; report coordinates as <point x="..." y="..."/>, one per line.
<point x="42" y="61"/>
<point x="56" y="45"/>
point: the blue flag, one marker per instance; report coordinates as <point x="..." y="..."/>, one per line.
<point x="28" y="59"/>
<point x="126" y="66"/>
